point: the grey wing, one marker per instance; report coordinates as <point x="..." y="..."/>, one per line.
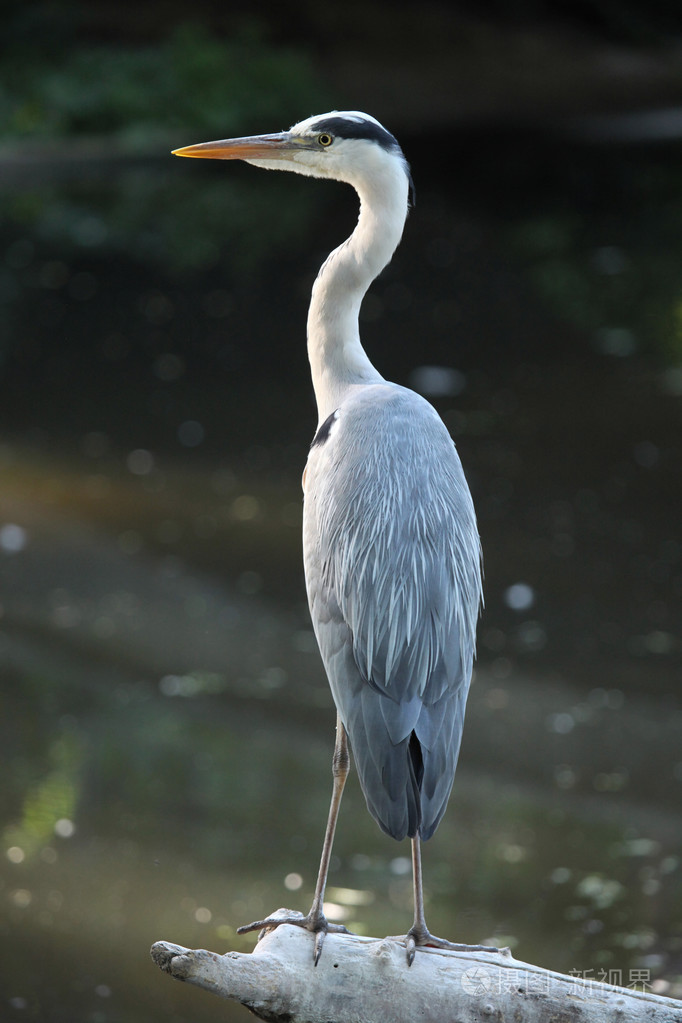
<point x="392" y="561"/>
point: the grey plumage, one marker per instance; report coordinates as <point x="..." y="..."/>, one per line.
<point x="392" y="561"/>
<point x="391" y="550"/>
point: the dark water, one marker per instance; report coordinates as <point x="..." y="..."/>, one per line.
<point x="166" y="726"/>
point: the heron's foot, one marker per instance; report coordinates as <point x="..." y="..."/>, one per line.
<point x="314" y="921"/>
<point x="420" y="936"/>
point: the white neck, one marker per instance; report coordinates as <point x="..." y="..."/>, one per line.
<point x="337" y="359"/>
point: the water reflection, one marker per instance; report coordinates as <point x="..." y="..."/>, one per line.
<point x="166" y="730"/>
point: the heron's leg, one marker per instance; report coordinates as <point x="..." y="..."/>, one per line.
<point x="419" y="933"/>
<point x="315" y="920"/>
<point x="340" y="768"/>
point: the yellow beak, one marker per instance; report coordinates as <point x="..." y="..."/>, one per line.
<point x="251" y="148"/>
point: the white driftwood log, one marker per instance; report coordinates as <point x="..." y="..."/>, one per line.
<point x="367" y="980"/>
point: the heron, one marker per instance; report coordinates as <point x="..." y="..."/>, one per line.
<point x="391" y="549"/>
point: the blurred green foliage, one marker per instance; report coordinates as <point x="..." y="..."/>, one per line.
<point x="176" y="216"/>
<point x="50" y="800"/>
<point x="596" y="231"/>
<point x="608" y="262"/>
<point x="141" y="102"/>
<point x="215" y="773"/>
<point x="191" y="80"/>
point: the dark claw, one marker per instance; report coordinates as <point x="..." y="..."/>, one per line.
<point x="411" y="946"/>
<point x="319" y="941"/>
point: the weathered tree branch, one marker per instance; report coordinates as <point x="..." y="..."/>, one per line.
<point x="367" y="980"/>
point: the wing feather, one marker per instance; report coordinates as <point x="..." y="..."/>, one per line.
<point x="392" y="563"/>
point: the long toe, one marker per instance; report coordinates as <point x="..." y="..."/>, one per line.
<point x="280" y="916"/>
<point x="421" y="937"/>
<point x="315" y="922"/>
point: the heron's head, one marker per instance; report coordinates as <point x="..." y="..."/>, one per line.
<point x="344" y="145"/>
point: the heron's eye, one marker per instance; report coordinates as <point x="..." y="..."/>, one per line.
<point x="325" y="139"/>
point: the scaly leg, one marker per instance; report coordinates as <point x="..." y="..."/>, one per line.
<point x="316" y="921"/>
<point x="419" y="933"/>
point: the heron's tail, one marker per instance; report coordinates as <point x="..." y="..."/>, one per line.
<point x="406" y="783"/>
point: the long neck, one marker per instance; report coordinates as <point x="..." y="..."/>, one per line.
<point x="337" y="359"/>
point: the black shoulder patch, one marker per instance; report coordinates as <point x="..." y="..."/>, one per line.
<point x="323" y="433"/>
<point x="346" y="128"/>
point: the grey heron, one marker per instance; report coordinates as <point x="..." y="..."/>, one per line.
<point x="391" y="548"/>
